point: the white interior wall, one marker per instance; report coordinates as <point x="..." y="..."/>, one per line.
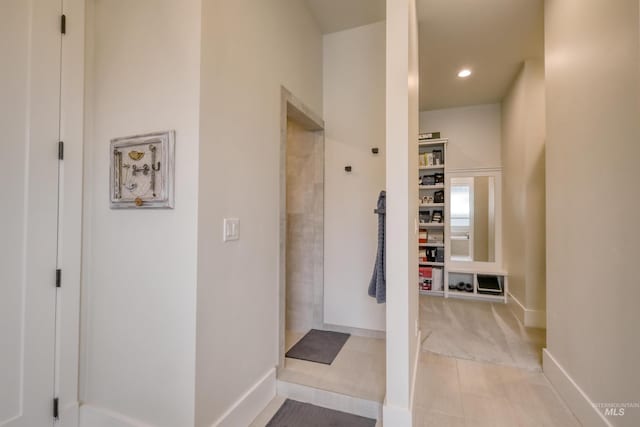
<point x="139" y="284"/>
<point x="249" y="49"/>
<point x="592" y="72"/>
<point x="523" y="134"/>
<point x="354" y="114"/>
<point x="402" y="210"/>
<point x="473" y="132"/>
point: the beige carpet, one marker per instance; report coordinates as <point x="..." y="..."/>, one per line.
<point x="481" y="331"/>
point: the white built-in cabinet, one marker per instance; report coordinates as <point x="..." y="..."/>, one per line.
<point x="435" y="265"/>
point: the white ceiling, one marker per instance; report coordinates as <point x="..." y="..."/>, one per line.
<point x="491" y="37"/>
<point x="338" y="15"/>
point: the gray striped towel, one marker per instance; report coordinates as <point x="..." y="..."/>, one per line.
<point x="378" y="284"/>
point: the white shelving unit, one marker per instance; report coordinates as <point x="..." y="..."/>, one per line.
<point x="430" y="190"/>
<point x="450" y="273"/>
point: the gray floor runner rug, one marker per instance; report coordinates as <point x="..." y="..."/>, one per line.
<point x="479" y="331"/>
<point x="318" y="346"/>
<point x="298" y="414"/>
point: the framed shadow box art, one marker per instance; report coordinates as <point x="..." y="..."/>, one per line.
<point x="142" y="171"/>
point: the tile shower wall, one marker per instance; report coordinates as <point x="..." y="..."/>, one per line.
<point x="305" y="199"/>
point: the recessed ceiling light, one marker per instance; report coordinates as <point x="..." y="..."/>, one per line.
<point x="464" y="73"/>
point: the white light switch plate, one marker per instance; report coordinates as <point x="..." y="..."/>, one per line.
<point x="231" y="229"/>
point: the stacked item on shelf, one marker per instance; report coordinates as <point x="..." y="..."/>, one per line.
<point x="426" y="136"/>
<point x="435" y="236"/>
<point x="431" y="179"/>
<point x="437" y="279"/>
<point x="431" y="158"/>
<point x="431" y="217"/>
<point x="430" y="278"/>
<point x="432" y="253"/>
<point x="427" y="179"/>
<point x="426" y="278"/>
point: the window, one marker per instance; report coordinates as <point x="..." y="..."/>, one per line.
<point x="460" y="205"/>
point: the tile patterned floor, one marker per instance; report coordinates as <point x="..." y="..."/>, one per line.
<point x="457" y="392"/>
<point x="482" y="331"/>
<point x="450" y="391"/>
<point x="358" y="370"/>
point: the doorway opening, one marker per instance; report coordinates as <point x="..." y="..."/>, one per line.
<point x="480" y="183"/>
<point x="315" y="356"/>
<point x="301" y="222"/>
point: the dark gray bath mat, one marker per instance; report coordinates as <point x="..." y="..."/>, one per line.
<point x="297" y="414"/>
<point x="318" y="346"/>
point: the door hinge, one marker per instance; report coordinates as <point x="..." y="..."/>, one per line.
<point x="63" y="24"/>
<point x="60" y="150"/>
<point x="58" y="278"/>
<point x="56" y="409"/>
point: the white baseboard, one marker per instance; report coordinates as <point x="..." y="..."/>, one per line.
<point x="396" y="416"/>
<point x="241" y="413"/>
<point x="414" y="379"/>
<point x="575" y="398"/>
<point x="70" y="415"/>
<point x="358" y="332"/>
<point x="330" y="400"/>
<point x="94" y="416"/>
<point x="250" y="404"/>
<point x="530" y="318"/>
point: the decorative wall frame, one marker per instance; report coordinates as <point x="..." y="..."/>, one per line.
<point x="142" y="171"/>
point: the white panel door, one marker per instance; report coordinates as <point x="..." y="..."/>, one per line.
<point x="29" y="129"/>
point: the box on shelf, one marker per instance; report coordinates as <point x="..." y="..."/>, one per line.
<point x="425" y="284"/>
<point x="437" y="157"/>
<point x="428" y="179"/>
<point x="422" y="237"/>
<point x="490" y="284"/>
<point x="431" y="158"/>
<point x="425" y="272"/>
<point x="435" y="236"/>
<point x="428" y="135"/>
<point x="432" y="254"/>
<point x="424" y="217"/>
<point x="437" y="279"/>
